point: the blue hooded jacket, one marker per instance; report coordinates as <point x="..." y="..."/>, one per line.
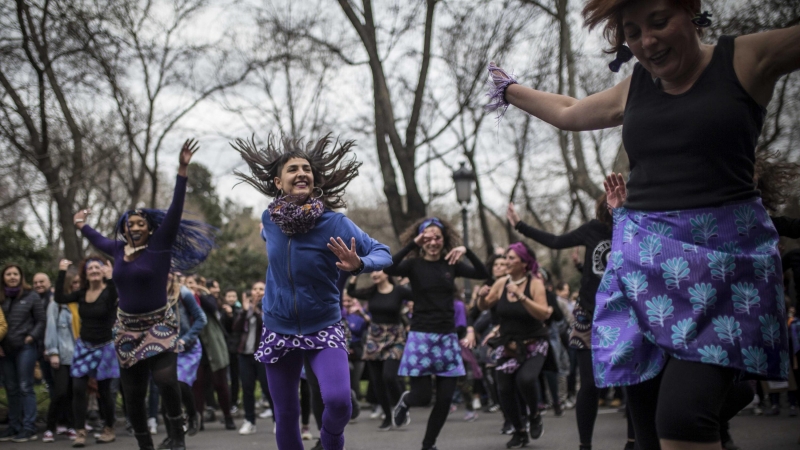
<point x="301" y="296"/>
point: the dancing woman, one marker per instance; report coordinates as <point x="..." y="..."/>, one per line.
<point x="385" y="337"/>
<point x="150" y="243"/>
<point x="94" y="355"/>
<point x="689" y="284"/>
<point x="306" y="242"/>
<point x="595" y="236"/>
<point x="522" y="309"/>
<point x="432" y="346"/>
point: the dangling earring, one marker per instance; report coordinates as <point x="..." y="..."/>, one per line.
<point x="624" y="54"/>
<point x="702" y="20"/>
<point x="321" y="192"/>
<point x="280" y="193"/>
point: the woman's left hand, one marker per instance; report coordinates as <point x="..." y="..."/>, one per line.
<point x="455" y="254"/>
<point x="108" y="270"/>
<point x="188" y="150"/>
<point x="348" y="258"/>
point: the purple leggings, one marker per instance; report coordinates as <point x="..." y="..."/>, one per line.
<point x="334" y="382"/>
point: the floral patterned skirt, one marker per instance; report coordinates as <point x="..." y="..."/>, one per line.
<point x="188" y="362"/>
<point x="431" y="354"/>
<point x="384" y="341"/>
<point x="96" y="361"/>
<point x="700" y="285"/>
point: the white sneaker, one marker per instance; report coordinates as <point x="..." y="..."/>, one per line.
<point x="266" y="414"/>
<point x="248" y="428"/>
<point x="152" y="425"/>
<point x="476" y="404"/>
<point x="376" y="413"/>
<point x="305" y="434"/>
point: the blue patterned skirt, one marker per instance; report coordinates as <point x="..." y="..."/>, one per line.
<point x="700" y="285"/>
<point x="96" y="361"/>
<point x="431" y="354"/>
<point x="188" y="362"/>
<point x="274" y="346"/>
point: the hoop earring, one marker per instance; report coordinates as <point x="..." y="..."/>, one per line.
<point x="702" y="20"/>
<point x="321" y="192"/>
<point x="280" y="193"/>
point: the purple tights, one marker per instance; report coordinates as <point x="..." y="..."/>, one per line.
<point x="333" y="373"/>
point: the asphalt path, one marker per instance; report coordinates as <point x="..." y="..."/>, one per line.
<point x="750" y="433"/>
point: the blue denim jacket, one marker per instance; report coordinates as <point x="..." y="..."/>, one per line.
<point x="58" y="338"/>
<point x="188" y="308"/>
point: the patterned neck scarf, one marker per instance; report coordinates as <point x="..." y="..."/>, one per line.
<point x="293" y="218"/>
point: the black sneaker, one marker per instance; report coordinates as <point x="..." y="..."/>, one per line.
<point x="558" y="410"/>
<point x="507" y="428"/>
<point x="318" y="446"/>
<point x="386" y="425"/>
<point x="25" y="436"/>
<point x="400" y="414"/>
<point x="7" y="434"/>
<point x="518" y="440"/>
<point x="537" y="427"/>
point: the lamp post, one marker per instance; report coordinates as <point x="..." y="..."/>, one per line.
<point x="463" y="178"/>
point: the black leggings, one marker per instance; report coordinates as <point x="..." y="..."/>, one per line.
<point x="305" y="402"/>
<point x="61" y="398"/>
<point x="219" y="379"/>
<point x="421" y="394"/>
<point x="685" y="402"/>
<point x="586" y="401"/>
<point x="385" y="385"/>
<point x="522" y="381"/>
<point x="104" y="401"/>
<point x="233" y="373"/>
<point x="135" y="379"/>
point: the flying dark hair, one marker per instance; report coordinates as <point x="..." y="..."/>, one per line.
<point x="602" y="213"/>
<point x="332" y="169"/>
<point x="451" y="237"/>
<point x="776" y="178"/>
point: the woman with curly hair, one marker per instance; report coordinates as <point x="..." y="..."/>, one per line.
<point x="307" y="243"/>
<point x="432" y="346"/>
<point x="94" y="355"/>
<point x="150" y="243"/>
<point x="691" y="278"/>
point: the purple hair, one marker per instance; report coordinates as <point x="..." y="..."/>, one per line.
<point x="529" y="259"/>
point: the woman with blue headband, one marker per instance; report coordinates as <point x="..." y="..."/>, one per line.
<point x="151" y="243"/>
<point x="432" y="345"/>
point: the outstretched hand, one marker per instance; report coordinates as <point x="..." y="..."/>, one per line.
<point x="190" y="147"/>
<point x="511" y="215"/>
<point x="455" y="254"/>
<point x="348" y="258"/>
<point x="616" y="192"/>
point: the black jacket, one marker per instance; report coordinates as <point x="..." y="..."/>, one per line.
<point x="233" y="336"/>
<point x="26" y="317"/>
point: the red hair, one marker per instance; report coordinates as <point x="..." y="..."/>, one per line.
<point x="610" y="11"/>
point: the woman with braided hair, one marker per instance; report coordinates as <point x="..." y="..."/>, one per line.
<point x="151" y="243"/>
<point x="307" y="243"/>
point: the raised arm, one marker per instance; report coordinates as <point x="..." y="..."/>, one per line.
<point x="99" y="241"/>
<point x="601" y="110"/>
<point x="571" y="239"/>
<point x="59" y="296"/>
<point x="165" y="235"/>
<point x="476" y="271"/>
<point x="760" y="59"/>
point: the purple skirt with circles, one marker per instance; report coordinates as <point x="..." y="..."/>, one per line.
<point x="274" y="346"/>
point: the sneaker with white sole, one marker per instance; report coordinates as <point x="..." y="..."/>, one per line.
<point x="48" y="436"/>
<point x="376" y="412"/>
<point x="400" y="413"/>
<point x="266" y="414"/>
<point x="248" y="428"/>
<point x="305" y="434"/>
<point x="152" y="425"/>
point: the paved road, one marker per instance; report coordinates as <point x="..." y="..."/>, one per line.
<point x="750" y="432"/>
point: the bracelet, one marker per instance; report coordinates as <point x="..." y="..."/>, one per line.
<point x="360" y="268"/>
<point x="78" y="221"/>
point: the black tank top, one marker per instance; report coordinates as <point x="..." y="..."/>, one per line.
<point x="515" y="321"/>
<point x="696" y="149"/>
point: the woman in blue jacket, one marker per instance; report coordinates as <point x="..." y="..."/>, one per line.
<point x="307" y="244"/>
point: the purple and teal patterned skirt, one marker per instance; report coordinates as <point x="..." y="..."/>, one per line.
<point x="96" y="361"/>
<point x="431" y="354"/>
<point x="188" y="362"/>
<point x="700" y="285"/>
<point x="274" y="346"/>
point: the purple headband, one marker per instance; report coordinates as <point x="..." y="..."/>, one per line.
<point x="100" y="261"/>
<point x="429" y="222"/>
<point x="527" y="258"/>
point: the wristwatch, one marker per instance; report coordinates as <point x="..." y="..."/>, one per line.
<point x="360" y="268"/>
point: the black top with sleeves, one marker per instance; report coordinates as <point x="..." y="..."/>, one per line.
<point x="433" y="287"/>
<point x="97" y="317"/>
<point x="596" y="237"/>
<point x="385" y="309"/>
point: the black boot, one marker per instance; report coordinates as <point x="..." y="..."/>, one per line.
<point x="193" y="424"/>
<point x="145" y="440"/>
<point x="175" y="427"/>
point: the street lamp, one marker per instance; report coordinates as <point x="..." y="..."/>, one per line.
<point x="463" y="178"/>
